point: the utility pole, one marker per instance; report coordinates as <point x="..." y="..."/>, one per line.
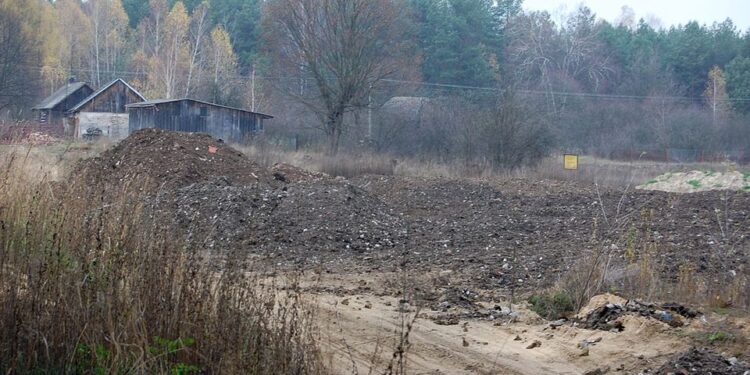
<point x="369" y="113"/>
<point x="252" y="93"/>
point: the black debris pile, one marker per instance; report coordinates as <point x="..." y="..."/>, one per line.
<point x="702" y="361"/>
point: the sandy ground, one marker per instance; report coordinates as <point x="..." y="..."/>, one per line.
<point x="695" y="181"/>
<point x="360" y="331"/>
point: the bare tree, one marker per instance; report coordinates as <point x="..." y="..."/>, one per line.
<point x="344" y="47"/>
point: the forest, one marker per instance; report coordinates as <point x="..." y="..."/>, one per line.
<point x="473" y="80"/>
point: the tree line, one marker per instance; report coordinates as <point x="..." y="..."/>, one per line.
<point x="587" y="84"/>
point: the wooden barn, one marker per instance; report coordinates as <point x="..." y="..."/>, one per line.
<point x="53" y="109"/>
<point x="104" y="110"/>
<point x="189" y="115"/>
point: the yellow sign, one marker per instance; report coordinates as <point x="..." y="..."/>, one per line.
<point x="570" y="161"/>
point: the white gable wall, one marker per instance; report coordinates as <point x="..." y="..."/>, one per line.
<point x="113" y="125"/>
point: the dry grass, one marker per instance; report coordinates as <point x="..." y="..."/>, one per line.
<point x="607" y="173"/>
<point x="100" y="287"/>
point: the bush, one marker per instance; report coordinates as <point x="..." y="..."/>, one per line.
<point x="551" y="306"/>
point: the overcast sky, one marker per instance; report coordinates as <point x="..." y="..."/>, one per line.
<point x="669" y="12"/>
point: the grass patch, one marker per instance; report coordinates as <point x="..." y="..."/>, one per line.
<point x="551" y="306"/>
<point x="694" y="183"/>
<point x="719" y="336"/>
<point x="651" y="182"/>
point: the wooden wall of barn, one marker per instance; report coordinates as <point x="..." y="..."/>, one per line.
<point x="225" y="123"/>
<point x="112" y="100"/>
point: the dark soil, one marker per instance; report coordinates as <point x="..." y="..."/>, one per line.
<point x="701" y="361"/>
<point x="490" y="235"/>
<point x="153" y="160"/>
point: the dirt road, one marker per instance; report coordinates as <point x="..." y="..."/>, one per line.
<point x="360" y="332"/>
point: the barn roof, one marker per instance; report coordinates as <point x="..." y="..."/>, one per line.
<point x="101" y="90"/>
<point x="61" y="94"/>
<point x="156" y="102"/>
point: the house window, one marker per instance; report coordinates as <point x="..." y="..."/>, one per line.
<point x="204" y="111"/>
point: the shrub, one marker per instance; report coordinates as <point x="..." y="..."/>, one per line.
<point x="551" y="305"/>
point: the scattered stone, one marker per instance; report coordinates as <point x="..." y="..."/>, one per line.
<point x="534" y="344"/>
<point x="584" y="352"/>
<point x="598" y="371"/>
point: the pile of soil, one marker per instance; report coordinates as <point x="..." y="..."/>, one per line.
<point x="529" y="234"/>
<point x="322" y="221"/>
<point x="219" y="200"/>
<point x="154" y="159"/>
<point x="289" y="173"/>
<point x="701" y="361"/>
<point x="695" y="181"/>
<point x="492" y="235"/>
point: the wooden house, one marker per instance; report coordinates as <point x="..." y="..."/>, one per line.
<point x="105" y="111"/>
<point x="190" y="115"/>
<point x="52" y="110"/>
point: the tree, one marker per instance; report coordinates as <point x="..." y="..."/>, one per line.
<point x="460" y="39"/>
<point x="344" y="47"/>
<point x="109" y="27"/>
<point x="197" y="32"/>
<point x="167" y="48"/>
<point x="738" y="83"/>
<point x="716" y="93"/>
<point x="690" y="55"/>
<point x="224" y="66"/>
<point x="242" y="21"/>
<point x="19" y="52"/>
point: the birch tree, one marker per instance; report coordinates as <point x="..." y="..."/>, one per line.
<point x="223" y="65"/>
<point x="199" y="24"/>
<point x="716" y="94"/>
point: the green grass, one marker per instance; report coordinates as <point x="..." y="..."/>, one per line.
<point x="694" y="183"/>
<point x="650" y="182"/>
<point x="551" y="306"/>
<point x="746" y="188"/>
<point x="719" y="336"/>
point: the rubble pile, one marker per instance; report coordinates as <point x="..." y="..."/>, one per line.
<point x="607" y="316"/>
<point x="702" y="361"/>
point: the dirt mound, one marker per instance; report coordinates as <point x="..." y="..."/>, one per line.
<point x="161" y="160"/>
<point x="216" y="214"/>
<point x="318" y="220"/>
<point x="695" y="181"/>
<point x="702" y="361"/>
<point x="289" y="173"/>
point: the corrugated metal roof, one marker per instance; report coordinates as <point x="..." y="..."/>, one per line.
<point x="155" y="102"/>
<point x="101" y="90"/>
<point x="58" y="96"/>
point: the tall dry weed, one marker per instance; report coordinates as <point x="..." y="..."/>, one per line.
<point x="95" y="286"/>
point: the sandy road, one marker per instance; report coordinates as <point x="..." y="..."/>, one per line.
<point x="360" y="332"/>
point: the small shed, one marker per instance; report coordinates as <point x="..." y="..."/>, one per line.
<point x="52" y="110"/>
<point x="105" y="110"/>
<point x="190" y="115"/>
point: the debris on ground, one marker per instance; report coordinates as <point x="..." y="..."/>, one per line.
<point x="702" y="361"/>
<point x="606" y="316"/>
